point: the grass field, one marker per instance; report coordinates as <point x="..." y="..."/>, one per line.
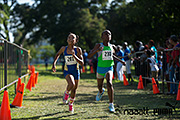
<point x="45" y="101"/>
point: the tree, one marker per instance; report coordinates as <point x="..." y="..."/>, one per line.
<point x="25" y="24"/>
<point x="47" y="51"/>
<point x="143" y="20"/>
<point x="53" y="20"/>
<point x="5" y="12"/>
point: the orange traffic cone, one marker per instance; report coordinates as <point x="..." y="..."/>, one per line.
<point x="19" y="97"/>
<point x="155" y="87"/>
<point x="29" y="67"/>
<point x="140" y="84"/>
<point x="18" y="85"/>
<point x="36" y="78"/>
<point x="5" y="113"/>
<point x="178" y="94"/>
<point x="33" y="69"/>
<point x="83" y="70"/>
<point x="125" y="81"/>
<point x="33" y="79"/>
<point x="29" y="84"/>
<point x="113" y="76"/>
<point x="92" y="69"/>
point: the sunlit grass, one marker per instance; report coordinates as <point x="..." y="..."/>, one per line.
<point x="45" y="100"/>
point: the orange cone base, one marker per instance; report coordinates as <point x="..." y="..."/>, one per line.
<point x="140" y="84"/>
<point x="36" y="77"/>
<point x="5" y="113"/>
<point x="83" y="70"/>
<point x="19" y="97"/>
<point x="13" y="106"/>
<point x="125" y="80"/>
<point x="29" y="84"/>
<point x="155" y="88"/>
<point x="92" y="69"/>
<point x="178" y="94"/>
<point x="33" y="80"/>
<point x="19" y="84"/>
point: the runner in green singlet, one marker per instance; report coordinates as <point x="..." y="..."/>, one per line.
<point x="106" y="56"/>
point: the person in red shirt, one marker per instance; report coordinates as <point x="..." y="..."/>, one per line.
<point x="174" y="64"/>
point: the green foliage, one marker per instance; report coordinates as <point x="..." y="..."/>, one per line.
<point x="47" y="51"/>
<point x="54" y="19"/>
<point x="91" y="28"/>
<point x="33" y="51"/>
<point x="5" y="11"/>
<point x="25" y="24"/>
<point x="41" y="51"/>
<point x="144" y="20"/>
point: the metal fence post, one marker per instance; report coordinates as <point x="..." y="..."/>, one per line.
<point x="19" y="65"/>
<point x="5" y="64"/>
<point x="163" y="70"/>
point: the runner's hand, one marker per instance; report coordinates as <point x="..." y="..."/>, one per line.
<point x="124" y="63"/>
<point x="54" y="68"/>
<point x="72" y="52"/>
<point x="99" y="49"/>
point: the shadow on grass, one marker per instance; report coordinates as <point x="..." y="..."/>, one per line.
<point x="50" y="73"/>
<point x="60" y="74"/>
<point x="34" y="98"/>
<point x="85" y="98"/>
<point x="48" y="115"/>
<point x="88" y="76"/>
<point x="97" y="117"/>
<point x="139" y="99"/>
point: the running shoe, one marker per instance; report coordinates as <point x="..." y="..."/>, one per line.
<point x="111" y="108"/>
<point x="99" y="95"/>
<point x="71" y="109"/>
<point x="65" y="98"/>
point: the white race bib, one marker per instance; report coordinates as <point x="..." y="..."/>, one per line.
<point x="70" y="60"/>
<point x="107" y="55"/>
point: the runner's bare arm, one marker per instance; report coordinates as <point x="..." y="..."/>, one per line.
<point x="56" y="58"/>
<point x="79" y="56"/>
<point x="118" y="59"/>
<point x="96" y="49"/>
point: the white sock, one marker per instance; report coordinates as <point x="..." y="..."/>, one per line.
<point x="110" y="103"/>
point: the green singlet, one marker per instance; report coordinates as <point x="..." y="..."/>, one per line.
<point x="105" y="57"/>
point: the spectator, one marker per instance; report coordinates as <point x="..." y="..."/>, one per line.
<point x="174" y="65"/>
<point x="178" y="48"/>
<point x="151" y="63"/>
<point x="152" y="47"/>
<point x="167" y="58"/>
<point x="168" y="55"/>
<point x="115" y="75"/>
<point x="46" y="63"/>
<point x="138" y="47"/>
<point x="85" y="54"/>
<point x="127" y="53"/>
<point x="94" y="63"/>
<point x="160" y="67"/>
<point x="119" y="67"/>
<point x="143" y="67"/>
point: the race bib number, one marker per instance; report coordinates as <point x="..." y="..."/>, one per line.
<point x="70" y="60"/>
<point x="107" y="55"/>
